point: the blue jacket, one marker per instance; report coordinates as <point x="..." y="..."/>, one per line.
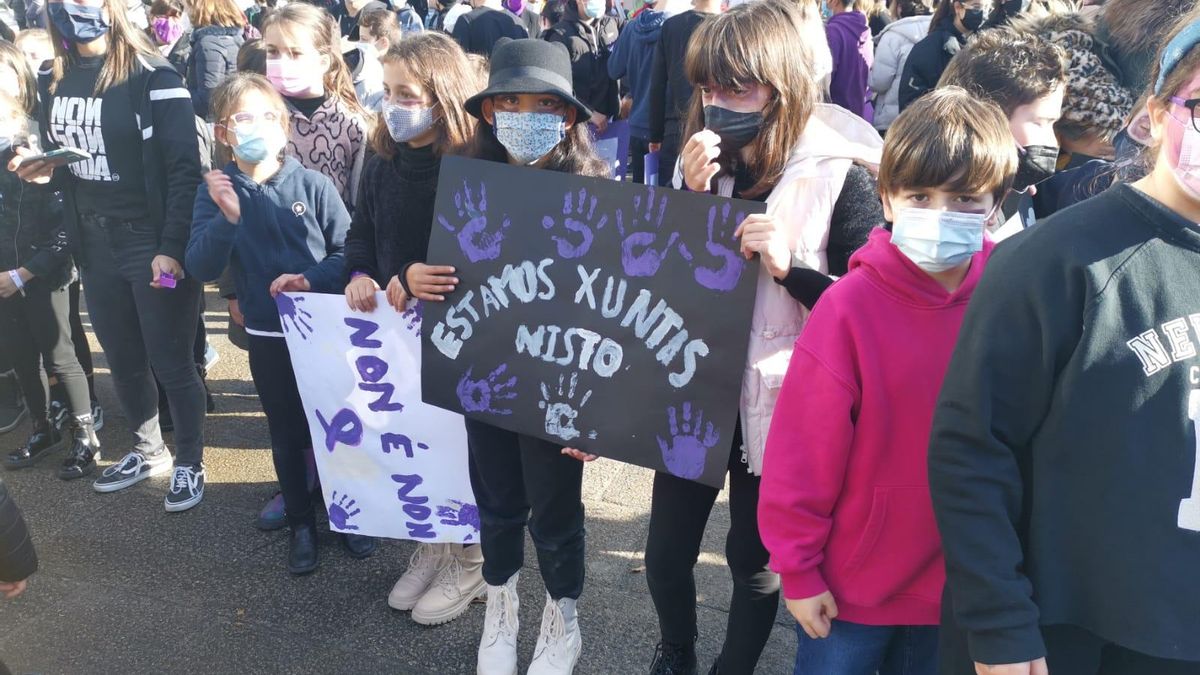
<point x="295" y="223"/>
<point x="631" y="59"/>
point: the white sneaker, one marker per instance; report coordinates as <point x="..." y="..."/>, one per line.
<point x="458" y="584"/>
<point x="498" y="647"/>
<point x="422" y="569"/>
<point x="559" y="643"/>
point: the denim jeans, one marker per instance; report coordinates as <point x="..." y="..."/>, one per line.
<point x="857" y="649"/>
<point x="139" y="326"/>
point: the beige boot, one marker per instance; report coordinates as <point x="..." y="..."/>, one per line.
<point x="498" y="645"/>
<point x="457" y="585"/>
<point x="422" y="569"/>
<point x="559" y="643"/>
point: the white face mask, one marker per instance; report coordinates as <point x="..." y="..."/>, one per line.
<point x="938" y="240"/>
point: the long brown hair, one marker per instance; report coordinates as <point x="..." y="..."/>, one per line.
<point x="11" y="57"/>
<point x="215" y="13"/>
<point x="126" y="44"/>
<point x="326" y="37"/>
<point x="443" y="70"/>
<point x="757" y="42"/>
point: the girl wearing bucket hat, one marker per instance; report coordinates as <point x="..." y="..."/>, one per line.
<point x="530" y="117"/>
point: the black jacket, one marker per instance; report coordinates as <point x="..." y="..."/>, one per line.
<point x="478" y="30"/>
<point x="391" y="226"/>
<point x="927" y="60"/>
<point x="31" y="229"/>
<point x="170" y="152"/>
<point x="1063" y="450"/>
<point x="18" y="559"/>
<point x="589" y="47"/>
<point x="212" y="59"/>
<point x="670" y="91"/>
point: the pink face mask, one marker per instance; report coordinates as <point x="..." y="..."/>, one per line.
<point x="293" y="77"/>
<point x="167" y="30"/>
<point x="1183" y="151"/>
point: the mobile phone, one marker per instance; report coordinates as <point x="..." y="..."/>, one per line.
<point x="61" y="156"/>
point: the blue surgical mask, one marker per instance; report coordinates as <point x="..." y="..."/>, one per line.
<point x="938" y="240"/>
<point x="595" y="8"/>
<point x="405" y="124"/>
<point x="258" y="142"/>
<point x="529" y="137"/>
<point x="77" y="23"/>
<point x="826" y="13"/>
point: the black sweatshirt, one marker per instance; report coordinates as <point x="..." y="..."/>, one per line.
<point x="391" y="226"/>
<point x="478" y="30"/>
<point x="1063" y="455"/>
<point x="18" y="560"/>
<point x="670" y="90"/>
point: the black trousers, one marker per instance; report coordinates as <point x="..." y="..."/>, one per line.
<point x="271" y="369"/>
<point x="1070" y="650"/>
<point x="679" y="513"/>
<point x="638" y="147"/>
<point x="667" y="156"/>
<point x="35" y="332"/>
<point x="83" y="350"/>
<point x="520" y="480"/>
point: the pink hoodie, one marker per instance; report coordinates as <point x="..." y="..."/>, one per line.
<point x="845" y="504"/>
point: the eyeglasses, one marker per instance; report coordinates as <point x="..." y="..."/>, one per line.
<point x="1190" y="104"/>
<point x="250" y="119"/>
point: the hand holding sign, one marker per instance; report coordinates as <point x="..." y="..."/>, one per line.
<point x="763" y="234"/>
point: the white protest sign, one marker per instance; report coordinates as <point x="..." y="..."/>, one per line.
<point x="390" y="465"/>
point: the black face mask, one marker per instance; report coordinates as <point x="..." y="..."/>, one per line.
<point x="973" y="19"/>
<point x="736" y="129"/>
<point x="1034" y="165"/>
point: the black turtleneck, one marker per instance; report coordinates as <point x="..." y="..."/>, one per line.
<point x="391" y="223"/>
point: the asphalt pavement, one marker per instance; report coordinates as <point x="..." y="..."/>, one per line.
<point x="125" y="587"/>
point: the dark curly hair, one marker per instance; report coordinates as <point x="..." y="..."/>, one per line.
<point x="1008" y="68"/>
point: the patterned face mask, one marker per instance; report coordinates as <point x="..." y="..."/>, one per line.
<point x="405" y="124"/>
<point x="529" y="137"/>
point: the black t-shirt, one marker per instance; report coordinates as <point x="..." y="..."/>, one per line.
<point x="307" y="106"/>
<point x="478" y="30"/>
<point x="112" y="183"/>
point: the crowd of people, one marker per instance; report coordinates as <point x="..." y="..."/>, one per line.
<point x="966" y="437"/>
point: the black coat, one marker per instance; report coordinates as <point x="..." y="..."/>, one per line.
<point x="31" y="229"/>
<point x="213" y="58"/>
<point x="927" y="60"/>
<point x="670" y="91"/>
<point x="18" y="560"/>
<point x="589" y="47"/>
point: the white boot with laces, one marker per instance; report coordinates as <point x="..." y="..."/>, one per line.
<point x="559" y="643"/>
<point x="498" y="646"/>
<point x="458" y="583"/>
<point x="422" y="569"/>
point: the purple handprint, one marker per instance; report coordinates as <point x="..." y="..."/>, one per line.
<point x="724" y="278"/>
<point x="646" y="260"/>
<point x="689" y="444"/>
<point x="413" y="316"/>
<point x="340" y="513"/>
<point x="478" y="395"/>
<point x="474" y="238"/>
<point x="576" y="221"/>
<point x="290" y="311"/>
<point x="459" y="513"/>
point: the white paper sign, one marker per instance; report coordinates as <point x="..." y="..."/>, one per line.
<point x="390" y="465"/>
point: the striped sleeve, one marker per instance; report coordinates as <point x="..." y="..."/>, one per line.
<point x="172" y="130"/>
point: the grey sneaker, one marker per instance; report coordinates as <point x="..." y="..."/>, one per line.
<point x="133" y="469"/>
<point x="187" y="488"/>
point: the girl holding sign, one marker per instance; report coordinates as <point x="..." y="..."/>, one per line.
<point x="1064" y="462"/>
<point x="426" y="80"/>
<point x="279" y="227"/>
<point x="755" y="131"/>
<point x="529" y="118"/>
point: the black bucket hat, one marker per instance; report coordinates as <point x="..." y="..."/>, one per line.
<point x="528" y="66"/>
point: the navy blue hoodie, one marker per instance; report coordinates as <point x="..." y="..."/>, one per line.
<point x="631" y="59"/>
<point x="294" y="223"/>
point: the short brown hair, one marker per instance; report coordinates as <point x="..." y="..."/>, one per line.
<point x="949" y="137"/>
<point x="224" y="103"/>
<point x="1008" y="68"/>
<point x="215" y="13"/>
<point x="757" y="42"/>
<point x="381" y="23"/>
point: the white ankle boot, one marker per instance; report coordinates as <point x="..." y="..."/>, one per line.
<point x="559" y="643"/>
<point x="498" y="647"/>
<point x="422" y="569"/>
<point x="457" y="585"/>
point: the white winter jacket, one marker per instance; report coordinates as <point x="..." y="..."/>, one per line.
<point x="833" y="139"/>
<point x="891" y="50"/>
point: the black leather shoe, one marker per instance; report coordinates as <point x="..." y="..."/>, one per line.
<point x="302" y="554"/>
<point x="85" y="450"/>
<point x="44" y="439"/>
<point x="359" y="546"/>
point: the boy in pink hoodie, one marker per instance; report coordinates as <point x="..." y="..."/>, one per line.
<point x="845" y="509"/>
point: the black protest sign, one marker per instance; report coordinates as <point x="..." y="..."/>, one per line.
<point x="605" y="316"/>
